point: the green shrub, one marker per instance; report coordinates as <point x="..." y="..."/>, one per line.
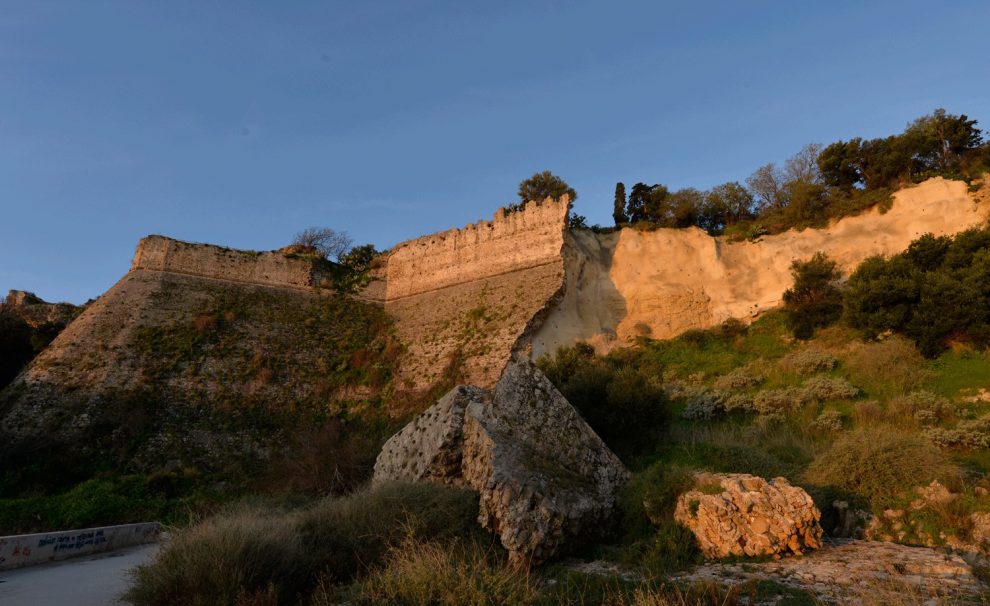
<point x="824" y="389"/>
<point x="814" y="300"/>
<point x="808" y="361"/>
<point x="704" y="405"/>
<point x="890" y="367"/>
<point x="829" y="421"/>
<point x="935" y="292"/>
<point x="743" y="377"/>
<point x="251" y="551"/>
<point x="971" y="434"/>
<point x="922" y="405"/>
<point x="785" y="400"/>
<point x="620" y="399"/>
<point x="877" y="463"/>
<point x="881" y="295"/>
<point x="652" y="539"/>
<point x="95" y="502"/>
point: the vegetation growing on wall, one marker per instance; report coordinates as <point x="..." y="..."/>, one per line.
<point x="254" y="390"/>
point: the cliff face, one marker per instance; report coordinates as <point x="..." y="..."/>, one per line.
<point x="464" y="299"/>
<point x="659" y="284"/>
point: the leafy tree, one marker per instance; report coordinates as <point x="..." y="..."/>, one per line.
<point x="646" y="203"/>
<point x="807" y="201"/>
<point x="545" y="185"/>
<point x="619" y="209"/>
<point x="576" y="221"/>
<point x="327" y="243"/>
<point x="815" y="299"/>
<point x="724" y="205"/>
<point x="684" y="207"/>
<point x="940" y="139"/>
<point x="359" y="258"/>
<point x="882" y="294"/>
<point x="928" y="252"/>
<point x="837" y="164"/>
<point x="872" y="163"/>
<point x="657" y="208"/>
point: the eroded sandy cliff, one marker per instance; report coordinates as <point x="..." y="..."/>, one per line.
<point x="659" y="284"/>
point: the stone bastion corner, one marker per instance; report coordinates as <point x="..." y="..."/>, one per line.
<point x="465" y="299"/>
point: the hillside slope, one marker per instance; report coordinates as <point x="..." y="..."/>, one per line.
<point x="173" y="369"/>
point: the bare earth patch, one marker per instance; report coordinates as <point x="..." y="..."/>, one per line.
<point x="844" y="569"/>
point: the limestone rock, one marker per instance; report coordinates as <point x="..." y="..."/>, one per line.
<point x="35" y="311"/>
<point x="429" y="447"/>
<point x="981" y="527"/>
<point x="853" y="572"/>
<point x="744" y="515"/>
<point x="933" y="494"/>
<point x="545" y="479"/>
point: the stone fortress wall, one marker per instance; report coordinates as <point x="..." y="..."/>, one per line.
<point x="462" y="299"/>
<point x="273" y="268"/>
<point x="465" y="298"/>
<point x="510" y="242"/>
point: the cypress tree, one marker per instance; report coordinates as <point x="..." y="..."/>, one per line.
<point x="619" y="211"/>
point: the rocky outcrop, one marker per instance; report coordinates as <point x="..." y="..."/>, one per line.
<point x="35" y="311"/>
<point x="744" y="515"/>
<point x="546" y="480"/>
<point x="429" y="448"/>
<point x="852" y="572"/>
<point x="968" y="536"/>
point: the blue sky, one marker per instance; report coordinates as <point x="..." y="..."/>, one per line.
<point x="240" y="123"/>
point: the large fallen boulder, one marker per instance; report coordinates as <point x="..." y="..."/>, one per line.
<point x="545" y="479"/>
<point x="744" y="515"/>
<point x="429" y="447"/>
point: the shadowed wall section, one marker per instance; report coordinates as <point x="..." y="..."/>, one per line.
<point x="464" y="299"/>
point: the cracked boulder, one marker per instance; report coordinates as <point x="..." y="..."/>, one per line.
<point x="429" y="447"/>
<point x="546" y="480"/>
<point x="744" y="515"/>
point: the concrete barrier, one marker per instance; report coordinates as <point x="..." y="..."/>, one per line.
<point x="31" y="549"/>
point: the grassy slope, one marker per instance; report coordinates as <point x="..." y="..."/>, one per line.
<point x="250" y="390"/>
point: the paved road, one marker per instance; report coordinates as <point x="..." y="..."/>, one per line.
<point x="95" y="580"/>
